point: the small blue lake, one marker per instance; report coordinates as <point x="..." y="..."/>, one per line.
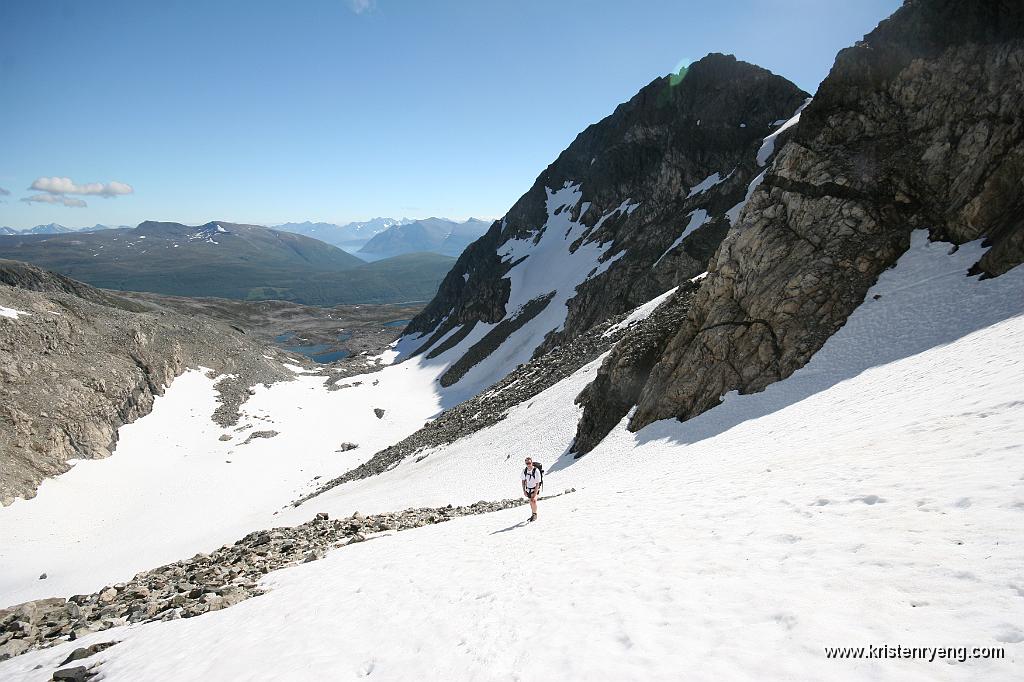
<point x="320" y="352"/>
<point x="397" y="323"/>
<point x="309" y="350"/>
<point x="330" y="357"/>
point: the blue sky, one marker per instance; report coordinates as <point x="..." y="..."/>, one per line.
<point x="337" y="110"/>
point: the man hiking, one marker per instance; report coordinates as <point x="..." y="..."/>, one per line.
<point x="533" y="479"/>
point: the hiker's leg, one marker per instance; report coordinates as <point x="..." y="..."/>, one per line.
<point x="533" y="503"/>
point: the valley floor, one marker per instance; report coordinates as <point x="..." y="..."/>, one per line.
<point x="875" y="498"/>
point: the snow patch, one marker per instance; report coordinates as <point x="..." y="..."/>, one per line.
<point x="697" y="217"/>
<point x="544" y="268"/>
<point x="11" y="312"/>
<point x="733" y="214"/>
<point x="709" y="182"/>
<point x="768" y="145"/>
<point x="640" y="313"/>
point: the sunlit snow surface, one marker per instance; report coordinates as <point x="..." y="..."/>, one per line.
<point x="874" y="497"/>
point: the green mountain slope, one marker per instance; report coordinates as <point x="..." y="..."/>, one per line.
<point x="228" y="260"/>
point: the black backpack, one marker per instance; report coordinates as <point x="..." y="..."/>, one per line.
<point x="539" y="467"/>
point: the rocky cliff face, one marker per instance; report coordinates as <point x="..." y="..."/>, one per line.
<point x="917" y="126"/>
<point x="76" y="363"/>
<point x="637" y="204"/>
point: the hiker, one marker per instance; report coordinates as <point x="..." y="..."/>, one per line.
<point x="533" y="479"/>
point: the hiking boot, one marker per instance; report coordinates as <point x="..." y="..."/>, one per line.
<point x="533" y="517"/>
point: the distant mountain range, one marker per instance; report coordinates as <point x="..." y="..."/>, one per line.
<point x="350" y="236"/>
<point x="387" y="237"/>
<point x="227" y="260"/>
<point x="56" y="228"/>
<point x="434" y="235"/>
<point x="371" y="239"/>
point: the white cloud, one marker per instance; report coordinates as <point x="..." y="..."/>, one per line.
<point x="70" y="202"/>
<point x="61" y="186"/>
<point x="361" y="6"/>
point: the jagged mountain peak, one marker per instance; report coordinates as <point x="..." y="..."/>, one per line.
<point x="636" y="204"/>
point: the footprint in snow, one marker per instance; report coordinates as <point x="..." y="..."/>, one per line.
<point x="786" y="620"/>
<point x="869" y="499"/>
<point x="1010" y="635"/>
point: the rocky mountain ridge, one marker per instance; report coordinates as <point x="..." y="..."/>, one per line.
<point x="57" y="228"/>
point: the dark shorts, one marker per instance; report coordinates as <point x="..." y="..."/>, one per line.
<point x="530" y="492"/>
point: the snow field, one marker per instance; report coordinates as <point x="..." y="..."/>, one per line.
<point x="173" y="488"/>
<point x="875" y="497"/>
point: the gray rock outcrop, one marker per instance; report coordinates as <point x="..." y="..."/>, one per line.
<point x="619" y="381"/>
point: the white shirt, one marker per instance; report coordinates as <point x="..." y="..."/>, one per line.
<point x="532" y="478"/>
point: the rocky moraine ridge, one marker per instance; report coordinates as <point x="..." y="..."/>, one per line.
<point x="76" y="363"/>
<point x="207" y="582"/>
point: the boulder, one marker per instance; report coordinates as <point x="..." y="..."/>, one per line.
<point x="77" y="674"/>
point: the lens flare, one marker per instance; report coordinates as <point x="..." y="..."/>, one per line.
<point x="677" y="75"/>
